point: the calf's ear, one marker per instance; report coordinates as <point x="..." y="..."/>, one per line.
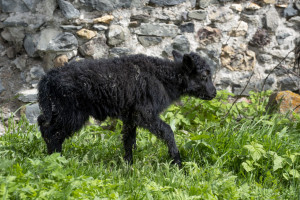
<point x="177" y="56"/>
<point x="188" y="63"/>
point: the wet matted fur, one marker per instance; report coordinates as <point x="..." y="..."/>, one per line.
<point x="135" y="89"/>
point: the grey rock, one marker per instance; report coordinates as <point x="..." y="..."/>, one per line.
<point x="184" y="16"/>
<point x="193" y="3"/>
<point x="143" y="18"/>
<point x="222" y="15"/>
<point x="63" y="42"/>
<point x="13" y="21"/>
<point x="198" y="14"/>
<point x="295" y="20"/>
<point x="139" y="3"/>
<point x="254" y="20"/>
<point x="87" y="49"/>
<point x="163" y="18"/>
<point x="213" y="65"/>
<point x="46" y="7"/>
<point x="44" y="38"/>
<point x="28" y="96"/>
<point x="272" y="19"/>
<point x="37" y="72"/>
<point x="206" y="3"/>
<point x="278" y="71"/>
<point x="167" y="52"/>
<point x="225" y="1"/>
<point x="101" y="5"/>
<point x="2" y="88"/>
<point x="28" y="20"/>
<point x="68" y="9"/>
<point x="134" y="24"/>
<point x="181" y="44"/>
<point x="13" y="34"/>
<point x="237" y="89"/>
<point x="100" y="27"/>
<point x="166" y="2"/>
<point x="18" y="6"/>
<point x="260" y="38"/>
<point x="116" y="35"/>
<point x="107" y="5"/>
<point x="70" y="27"/>
<point x="6" y="113"/>
<point x="30" y="45"/>
<point x="50" y="56"/>
<point x="187" y="27"/>
<point x="241" y="30"/>
<point x="157" y="29"/>
<point x="281" y="36"/>
<point x="119" y="51"/>
<point x="290" y="11"/>
<point x="264" y="58"/>
<point x="288" y="84"/>
<point x="96" y="48"/>
<point x="255" y="85"/>
<point x="265" y="85"/>
<point x="11" y="52"/>
<point x="2" y="48"/>
<point x="125" y="3"/>
<point x="233" y="81"/>
<point x="32" y="112"/>
<point x="20" y="62"/>
<point x="147" y="41"/>
<point x="297" y="4"/>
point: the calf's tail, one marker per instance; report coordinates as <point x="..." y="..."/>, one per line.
<point x="44" y="99"/>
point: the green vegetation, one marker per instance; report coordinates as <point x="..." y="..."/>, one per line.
<point x="241" y="154"/>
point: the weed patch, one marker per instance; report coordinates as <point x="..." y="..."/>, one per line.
<point x="241" y="154"/>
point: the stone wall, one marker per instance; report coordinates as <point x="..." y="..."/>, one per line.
<point x="240" y="39"/>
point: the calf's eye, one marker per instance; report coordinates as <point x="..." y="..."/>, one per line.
<point x="204" y="77"/>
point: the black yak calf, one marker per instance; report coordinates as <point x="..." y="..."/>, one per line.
<point x="135" y="89"/>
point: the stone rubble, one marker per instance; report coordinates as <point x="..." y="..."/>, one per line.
<point x="286" y="102"/>
<point x="237" y="38"/>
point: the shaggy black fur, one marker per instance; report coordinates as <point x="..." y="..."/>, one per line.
<point x="134" y="88"/>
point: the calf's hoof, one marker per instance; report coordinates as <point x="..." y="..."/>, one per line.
<point x="177" y="162"/>
<point x="128" y="160"/>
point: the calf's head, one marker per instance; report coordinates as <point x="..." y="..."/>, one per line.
<point x="198" y="75"/>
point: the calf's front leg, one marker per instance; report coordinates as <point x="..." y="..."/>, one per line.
<point x="164" y="132"/>
<point x="129" y="140"/>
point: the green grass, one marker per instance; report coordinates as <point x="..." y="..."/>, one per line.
<point x="243" y="154"/>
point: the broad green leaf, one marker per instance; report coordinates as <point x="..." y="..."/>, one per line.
<point x="293" y="157"/>
<point x="278" y="162"/>
<point x="173" y="124"/>
<point x="186" y="121"/>
<point x="286" y="176"/>
<point x="294" y="173"/>
<point x="248" y="166"/>
<point x="256" y="151"/>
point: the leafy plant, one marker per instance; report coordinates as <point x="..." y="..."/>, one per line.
<point x="230" y="151"/>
